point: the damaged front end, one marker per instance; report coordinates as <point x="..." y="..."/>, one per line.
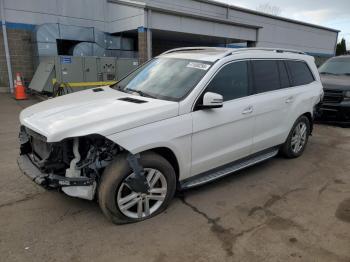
<point x="73" y="165"/>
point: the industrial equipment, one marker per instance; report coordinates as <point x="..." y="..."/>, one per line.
<point x="78" y="69"/>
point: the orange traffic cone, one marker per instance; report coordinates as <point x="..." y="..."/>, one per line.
<point x="20" y="92"/>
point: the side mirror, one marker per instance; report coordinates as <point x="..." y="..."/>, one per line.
<point x="212" y="100"/>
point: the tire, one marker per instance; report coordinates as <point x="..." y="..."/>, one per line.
<point x="288" y="149"/>
<point x="111" y="188"/>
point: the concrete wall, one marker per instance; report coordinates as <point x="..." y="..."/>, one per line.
<point x="21" y="53"/>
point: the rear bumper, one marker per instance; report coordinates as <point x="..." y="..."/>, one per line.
<point x="49" y="180"/>
<point x="335" y="113"/>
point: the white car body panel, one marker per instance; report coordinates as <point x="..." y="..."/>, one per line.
<point x="221" y="135"/>
<point x="173" y="133"/>
<point x="87" y="112"/>
<point x="201" y="140"/>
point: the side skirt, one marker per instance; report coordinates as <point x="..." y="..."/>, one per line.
<point x="227" y="169"/>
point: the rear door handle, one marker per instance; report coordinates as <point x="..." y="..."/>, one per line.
<point x="290" y="99"/>
<point x="248" y="110"/>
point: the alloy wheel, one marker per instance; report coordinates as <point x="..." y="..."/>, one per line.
<point x="141" y="205"/>
<point x="299" y="137"/>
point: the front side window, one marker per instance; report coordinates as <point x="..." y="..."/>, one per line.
<point x="265" y="76"/>
<point x="300" y="73"/>
<point x="165" y="78"/>
<point x="231" y="81"/>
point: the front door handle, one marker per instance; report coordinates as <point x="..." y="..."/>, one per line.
<point x="290" y="99"/>
<point x="248" y="110"/>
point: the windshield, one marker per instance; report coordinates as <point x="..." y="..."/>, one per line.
<point x="340" y="66"/>
<point x="164" y="78"/>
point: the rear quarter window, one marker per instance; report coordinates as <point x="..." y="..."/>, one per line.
<point x="300" y="73"/>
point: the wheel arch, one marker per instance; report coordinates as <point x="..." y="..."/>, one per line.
<point x="311" y="121"/>
<point x="170" y="156"/>
<point x="163" y="151"/>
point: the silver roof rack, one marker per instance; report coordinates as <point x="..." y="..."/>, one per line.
<point x="194" y="48"/>
<point x="277" y="50"/>
<point x="230" y="51"/>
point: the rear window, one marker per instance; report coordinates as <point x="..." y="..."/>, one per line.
<point x="300" y="73"/>
<point x="265" y="75"/>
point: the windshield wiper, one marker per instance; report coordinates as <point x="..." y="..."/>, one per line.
<point x="118" y="87"/>
<point x="141" y="93"/>
<point x="328" y="73"/>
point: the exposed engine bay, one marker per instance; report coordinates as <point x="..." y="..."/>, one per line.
<point x="74" y="164"/>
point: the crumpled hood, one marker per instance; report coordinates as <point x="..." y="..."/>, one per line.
<point x="88" y="112"/>
<point x="336" y="82"/>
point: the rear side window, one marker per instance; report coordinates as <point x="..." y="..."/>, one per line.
<point x="231" y="81"/>
<point x="265" y="75"/>
<point x="300" y="73"/>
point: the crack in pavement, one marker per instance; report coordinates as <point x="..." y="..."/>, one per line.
<point x="68" y="213"/>
<point x="272" y="200"/>
<point x="226" y="236"/>
<point x="26" y="198"/>
<point x="323" y="188"/>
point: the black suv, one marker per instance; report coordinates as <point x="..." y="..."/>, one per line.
<point x="335" y="77"/>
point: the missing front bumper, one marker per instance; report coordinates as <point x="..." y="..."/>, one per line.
<point x="49" y="180"/>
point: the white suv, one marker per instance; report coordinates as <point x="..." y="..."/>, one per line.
<point x="186" y="117"/>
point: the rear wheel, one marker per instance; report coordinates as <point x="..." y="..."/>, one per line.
<point x="297" y="138"/>
<point x="121" y="204"/>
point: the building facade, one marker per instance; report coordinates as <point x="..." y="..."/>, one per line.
<point x="158" y="25"/>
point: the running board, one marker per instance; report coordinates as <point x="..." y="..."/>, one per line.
<point x="227" y="169"/>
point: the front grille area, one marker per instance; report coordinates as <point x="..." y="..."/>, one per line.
<point x="35" y="135"/>
<point x="40" y="148"/>
<point x="38" y="144"/>
<point x="332" y="96"/>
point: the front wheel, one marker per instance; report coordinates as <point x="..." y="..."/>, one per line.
<point x="297" y="138"/>
<point x="120" y="204"/>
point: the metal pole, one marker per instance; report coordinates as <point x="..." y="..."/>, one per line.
<point x="149" y="35"/>
<point x="7" y="52"/>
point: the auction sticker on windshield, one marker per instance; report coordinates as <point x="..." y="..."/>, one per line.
<point x="198" y="65"/>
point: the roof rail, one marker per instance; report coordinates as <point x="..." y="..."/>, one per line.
<point x="230" y="51"/>
<point x="190" y="49"/>
<point x="277" y="50"/>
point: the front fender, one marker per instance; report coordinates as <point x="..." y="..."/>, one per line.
<point x="173" y="133"/>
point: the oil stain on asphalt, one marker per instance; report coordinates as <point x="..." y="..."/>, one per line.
<point x="343" y="211"/>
